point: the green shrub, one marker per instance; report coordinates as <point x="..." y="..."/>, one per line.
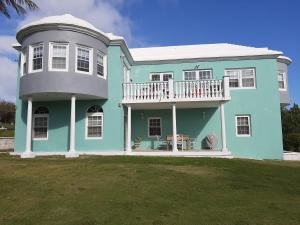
<point x="292" y="142"/>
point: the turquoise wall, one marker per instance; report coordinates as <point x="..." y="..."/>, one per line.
<point x="196" y="123"/>
<point x="59" y="118"/>
<point x="262" y="104"/>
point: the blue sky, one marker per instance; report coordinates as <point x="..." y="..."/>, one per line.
<point x="273" y="24"/>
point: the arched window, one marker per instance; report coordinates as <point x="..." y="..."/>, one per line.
<point x="94" y="122"/>
<point x="40" y="123"/>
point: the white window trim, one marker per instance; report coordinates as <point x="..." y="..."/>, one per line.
<point x="30" y="69"/>
<point x="104" y="65"/>
<point x="90" y="60"/>
<point x="22" y="61"/>
<point x="284" y="81"/>
<point x="33" y="126"/>
<point x="161" y="74"/>
<point x="240" y="79"/>
<point x="197" y="74"/>
<point x="148" y="127"/>
<point x="51" y="54"/>
<point x="236" y="127"/>
<point x="86" y="125"/>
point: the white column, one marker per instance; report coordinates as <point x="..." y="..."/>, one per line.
<point x="72" y="152"/>
<point x="223" y="128"/>
<point x="28" y="153"/>
<point x="128" y="136"/>
<point x="226" y="87"/>
<point x="174" y="128"/>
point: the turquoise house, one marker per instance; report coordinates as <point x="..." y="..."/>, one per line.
<point x="82" y="91"/>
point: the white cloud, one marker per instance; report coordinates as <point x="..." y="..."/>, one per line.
<point x="103" y="14"/>
<point x="8" y="79"/>
<point x="6" y="44"/>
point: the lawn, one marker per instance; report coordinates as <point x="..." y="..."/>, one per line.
<point x="148" y="190"/>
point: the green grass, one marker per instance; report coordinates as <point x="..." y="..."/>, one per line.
<point x="7" y="133"/>
<point x="148" y="190"/>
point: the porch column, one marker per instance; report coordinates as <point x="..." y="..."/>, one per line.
<point x="28" y="153"/>
<point x="72" y="152"/>
<point x="223" y="128"/>
<point x="174" y="128"/>
<point x="128" y="133"/>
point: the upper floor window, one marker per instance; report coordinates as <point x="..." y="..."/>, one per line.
<point x="40" y="123"/>
<point x="58" y="57"/>
<point x="161" y="76"/>
<point x="243" y="125"/>
<point x="281" y="80"/>
<point x="241" y="78"/>
<point x="94" y="122"/>
<point x="36" y="58"/>
<point x="100" y="64"/>
<point x="197" y="75"/>
<point x="84" y="59"/>
<point x="23" y="63"/>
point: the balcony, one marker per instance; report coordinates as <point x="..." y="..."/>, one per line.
<point x="177" y="91"/>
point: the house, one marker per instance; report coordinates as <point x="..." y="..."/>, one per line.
<point x="83" y="91"/>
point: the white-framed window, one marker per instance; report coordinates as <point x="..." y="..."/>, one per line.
<point x="36" y="53"/>
<point x="58" y="57"/>
<point x="40" y="124"/>
<point x="165" y="76"/>
<point x="241" y="78"/>
<point x="84" y="60"/>
<point x="100" y="64"/>
<point x="203" y="74"/>
<point x="282" y="80"/>
<point x="94" y="122"/>
<point x="154" y="127"/>
<point x="243" y="125"/>
<point x="23" y="64"/>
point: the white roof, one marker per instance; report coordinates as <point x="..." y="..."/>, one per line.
<point x="197" y="51"/>
<point x="71" y="20"/>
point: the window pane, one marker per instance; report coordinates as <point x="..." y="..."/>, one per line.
<point x="59" y="56"/>
<point x="205" y="74"/>
<point x="243" y="125"/>
<point x="281" y="80"/>
<point x="37" y="58"/>
<point x="40" y="127"/>
<point x="233" y="78"/>
<point x="248" y="77"/>
<point x="83" y="58"/>
<point x="190" y="75"/>
<point x="154" y="127"/>
<point x="100" y="68"/>
<point x="167" y="76"/>
<point x="155" y="77"/>
<point x="94" y="128"/>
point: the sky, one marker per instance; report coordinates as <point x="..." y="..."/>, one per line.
<point x="259" y="23"/>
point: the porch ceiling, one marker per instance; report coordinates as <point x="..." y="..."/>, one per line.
<point x="180" y="105"/>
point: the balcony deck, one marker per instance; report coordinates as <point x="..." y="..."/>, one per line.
<point x="176" y="91"/>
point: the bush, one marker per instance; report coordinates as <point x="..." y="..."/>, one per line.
<point x="292" y="142"/>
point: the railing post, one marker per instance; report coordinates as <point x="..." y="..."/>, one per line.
<point x="171" y="88"/>
<point x="226" y="87"/>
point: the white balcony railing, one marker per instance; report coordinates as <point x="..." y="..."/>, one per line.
<point x="168" y="91"/>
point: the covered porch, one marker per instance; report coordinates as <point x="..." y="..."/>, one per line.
<point x="175" y="129"/>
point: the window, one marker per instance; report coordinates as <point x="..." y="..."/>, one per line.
<point x="100" y="64"/>
<point x="241" y="78"/>
<point x="161" y="76"/>
<point x="94" y="122"/>
<point x="154" y="127"/>
<point x="197" y="75"/>
<point x="58" y="57"/>
<point x="281" y="80"/>
<point x="23" y="63"/>
<point x="84" y="59"/>
<point x="36" y="58"/>
<point x="243" y="127"/>
<point x="40" y="123"/>
<point x="189" y="75"/>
